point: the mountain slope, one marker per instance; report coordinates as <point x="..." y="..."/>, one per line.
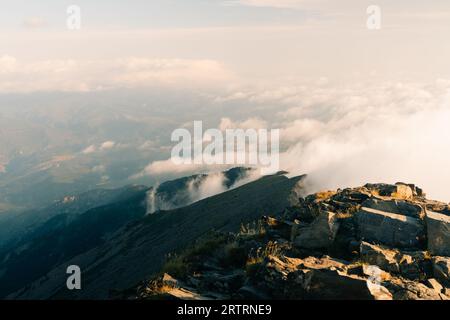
<point x="138" y="250"/>
<point x="65" y="235"/>
<point x="376" y="242"/>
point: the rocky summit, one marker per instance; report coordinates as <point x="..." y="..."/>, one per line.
<point x="376" y="242"/>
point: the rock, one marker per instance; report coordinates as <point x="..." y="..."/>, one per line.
<point x="414" y="265"/>
<point x="398" y="191"/>
<point x="169" y="281"/>
<point x="410" y="290"/>
<point x="379" y="256"/>
<point x="403" y="191"/>
<point x="355" y="196"/>
<point x="441" y="269"/>
<point x="395" y="206"/>
<point x="375" y="274"/>
<point x="320" y="233"/>
<point x="378" y="291"/>
<point x="324" y="284"/>
<point x="324" y="262"/>
<point x="410" y="266"/>
<point x="438" y="230"/>
<point x="389" y="228"/>
<point x="280" y="227"/>
<point x="435" y="285"/>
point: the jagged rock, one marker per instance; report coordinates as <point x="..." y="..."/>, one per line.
<point x="403" y="191"/>
<point x="438" y="231"/>
<point x="379" y="256"/>
<point x="435" y="285"/>
<point x="410" y="265"/>
<point x="282" y="228"/>
<point x="395" y="206"/>
<point x="410" y="290"/>
<point x="169" y="281"/>
<point x="441" y="269"/>
<point x="399" y="190"/>
<point x="325" y="284"/>
<point x="320" y="233"/>
<point x="355" y="196"/>
<point x="324" y="262"/>
<point x="378" y="291"/>
<point x="389" y="228"/>
<point x="437" y="206"/>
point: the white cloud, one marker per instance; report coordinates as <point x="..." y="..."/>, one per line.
<point x="167" y="168"/>
<point x="252" y="123"/>
<point x="107" y="145"/>
<point x="91" y="75"/>
<point x="386" y="133"/>
<point x="89" y="150"/>
<point x="349" y="135"/>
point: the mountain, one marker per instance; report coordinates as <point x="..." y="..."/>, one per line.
<point x="16" y="227"/>
<point x="139" y="249"/>
<point x="376" y="242"/>
<point x="184" y="191"/>
<point x="69" y="227"/>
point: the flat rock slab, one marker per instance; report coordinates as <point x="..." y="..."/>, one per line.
<point x="400" y="207"/>
<point x="389" y="228"/>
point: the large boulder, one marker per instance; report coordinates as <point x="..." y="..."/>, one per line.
<point x="320" y="233"/>
<point x="326" y="284"/>
<point x="389" y="228"/>
<point x="412" y="290"/>
<point x="438" y="231"/>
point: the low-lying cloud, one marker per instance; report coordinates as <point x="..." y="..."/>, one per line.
<point x="351" y="135"/>
<point x="71" y="75"/>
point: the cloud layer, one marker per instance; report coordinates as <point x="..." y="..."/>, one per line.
<point x="81" y="75"/>
<point x="348" y="135"/>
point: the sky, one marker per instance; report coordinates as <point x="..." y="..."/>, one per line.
<point x="255" y="39"/>
<point x="353" y="105"/>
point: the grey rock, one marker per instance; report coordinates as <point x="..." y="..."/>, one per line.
<point x="325" y="284"/>
<point x="395" y="206"/>
<point x="320" y="233"/>
<point x="389" y="228"/>
<point x="410" y="290"/>
<point x="382" y="257"/>
<point x="441" y="269"/>
<point x="438" y="231"/>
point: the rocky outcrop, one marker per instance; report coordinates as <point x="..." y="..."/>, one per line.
<point x="438" y="230"/>
<point x="376" y="242"/>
